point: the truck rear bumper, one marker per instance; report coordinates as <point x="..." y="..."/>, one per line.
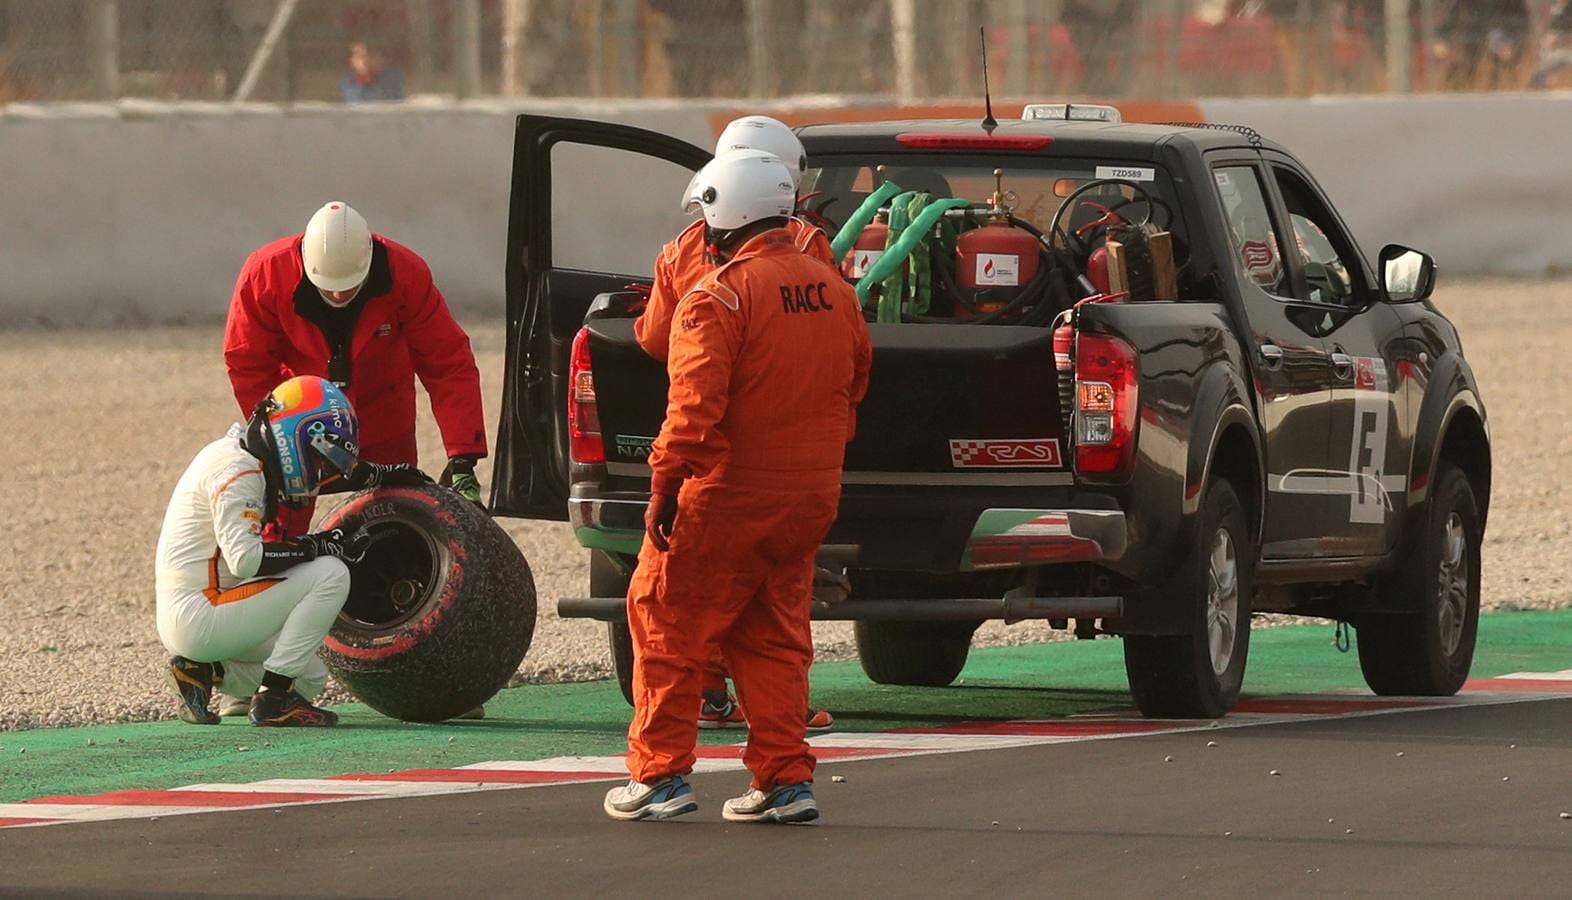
<point x="1008" y="608"/>
<point x="1007" y="538"/>
<point x="1000" y="538"/>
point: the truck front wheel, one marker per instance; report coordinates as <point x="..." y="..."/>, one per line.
<point x="926" y="654"/>
<point x="1198" y="675"/>
<point x="1429" y="651"/>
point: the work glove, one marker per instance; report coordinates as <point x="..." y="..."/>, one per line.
<point x="660" y="517"/>
<point x="460" y="476"/>
<point x="370" y="476"/>
<point x="334" y="543"/>
<point x="636" y="305"/>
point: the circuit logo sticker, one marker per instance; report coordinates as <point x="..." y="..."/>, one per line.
<point x="633" y="446"/>
<point x="998" y="269"/>
<point x="1031" y="453"/>
<point x="863" y="260"/>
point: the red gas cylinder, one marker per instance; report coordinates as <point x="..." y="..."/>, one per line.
<point x="867" y="250"/>
<point x="1097" y="269"/>
<point x="994" y="262"/>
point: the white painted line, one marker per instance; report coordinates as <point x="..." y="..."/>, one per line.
<point x="1563" y="675"/>
<point x="610" y="765"/>
<point x="93" y="812"/>
<point x="347" y="788"/>
<point x="946" y="743"/>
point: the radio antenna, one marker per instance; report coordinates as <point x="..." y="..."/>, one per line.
<point x="989" y="123"/>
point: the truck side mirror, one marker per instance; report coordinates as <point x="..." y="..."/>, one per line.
<point x="1406" y="274"/>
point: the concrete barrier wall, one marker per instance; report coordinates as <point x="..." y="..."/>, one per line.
<point x="142" y="212"/>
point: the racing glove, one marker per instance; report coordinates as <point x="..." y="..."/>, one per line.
<point x="334" y="543"/>
<point x="278" y="556"/>
<point x="370" y="476"/>
<point x="660" y="517"/>
<point x="460" y="476"/>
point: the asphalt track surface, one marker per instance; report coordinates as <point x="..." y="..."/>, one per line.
<point x="1431" y="802"/>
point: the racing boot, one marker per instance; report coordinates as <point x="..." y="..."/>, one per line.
<point x="193" y="683"/>
<point x="787" y="804"/>
<point x="667" y="798"/>
<point x="283" y="709"/>
<point x="719" y="710"/>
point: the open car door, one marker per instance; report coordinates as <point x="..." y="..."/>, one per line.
<point x="591" y="205"/>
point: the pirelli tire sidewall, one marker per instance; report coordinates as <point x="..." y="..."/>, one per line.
<point x="464" y="639"/>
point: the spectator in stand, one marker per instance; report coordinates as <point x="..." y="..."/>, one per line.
<point x="1555" y="53"/>
<point x="1480" y="44"/>
<point x="370" y="79"/>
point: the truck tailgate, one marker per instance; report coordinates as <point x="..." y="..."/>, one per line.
<point x="941" y="398"/>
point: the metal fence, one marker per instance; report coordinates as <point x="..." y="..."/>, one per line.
<point x="349" y="50"/>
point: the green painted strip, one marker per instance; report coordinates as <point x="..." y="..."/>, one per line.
<point x="612" y="540"/>
<point x="538" y="721"/>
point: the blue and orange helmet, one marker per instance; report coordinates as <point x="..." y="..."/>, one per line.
<point x="313" y="433"/>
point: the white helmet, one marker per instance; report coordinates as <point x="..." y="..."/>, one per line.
<point x="769" y="135"/>
<point x="336" y="248"/>
<point x="740" y="188"/>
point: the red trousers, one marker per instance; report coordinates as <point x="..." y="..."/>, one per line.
<point x="294" y="521"/>
<point x="739" y="575"/>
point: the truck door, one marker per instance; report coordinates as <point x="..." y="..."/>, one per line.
<point x="1291" y="366"/>
<point x="575" y="230"/>
<point x="1364" y="337"/>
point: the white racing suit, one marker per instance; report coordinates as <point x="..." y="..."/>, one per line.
<point x="211" y="607"/>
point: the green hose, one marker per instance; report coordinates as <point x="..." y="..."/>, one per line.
<point x="860" y="219"/>
<point x="895" y="256"/>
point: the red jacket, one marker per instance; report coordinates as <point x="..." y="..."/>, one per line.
<point x="279" y="327"/>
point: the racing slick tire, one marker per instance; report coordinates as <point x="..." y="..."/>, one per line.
<point x="607" y="579"/>
<point x="1429" y="651"/>
<point x="924" y="654"/>
<point x="1198" y="675"/>
<point x="441" y="607"/>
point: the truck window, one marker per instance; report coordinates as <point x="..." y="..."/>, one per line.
<point x="598" y="224"/>
<point x="1331" y="267"/>
<point x="1256" y="247"/>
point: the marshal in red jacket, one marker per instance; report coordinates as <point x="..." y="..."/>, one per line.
<point x="398" y="327"/>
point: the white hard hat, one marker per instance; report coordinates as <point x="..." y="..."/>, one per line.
<point x="769" y="135"/>
<point x="336" y="248"/>
<point x="740" y="188"/>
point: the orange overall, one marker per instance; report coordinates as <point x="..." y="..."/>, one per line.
<point x="678" y="267"/>
<point x="768" y="359"/>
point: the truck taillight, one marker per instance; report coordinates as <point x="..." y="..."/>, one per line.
<point x="1106" y="399"/>
<point x="584" y="443"/>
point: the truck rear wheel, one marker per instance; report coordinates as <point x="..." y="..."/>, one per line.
<point x="608" y="580"/>
<point x="927" y="654"/>
<point x="441" y="608"/>
<point x="1199" y="675"/>
<point x="1429" y="651"/>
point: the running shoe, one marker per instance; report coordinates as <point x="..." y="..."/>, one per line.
<point x="286" y="709"/>
<point x="788" y="804"/>
<point x="721" y="711"/>
<point x="667" y="798"/>
<point x="192" y="683"/>
<point x="820" y="720"/>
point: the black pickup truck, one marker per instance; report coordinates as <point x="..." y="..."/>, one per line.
<point x="1257" y="422"/>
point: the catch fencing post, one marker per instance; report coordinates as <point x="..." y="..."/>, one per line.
<point x="903" y="28"/>
<point x="104" y="25"/>
<point x="466" y="48"/>
<point x="1399" y="55"/>
<point x="270" y="39"/>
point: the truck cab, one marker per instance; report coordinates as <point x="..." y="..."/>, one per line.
<point x="1137" y="380"/>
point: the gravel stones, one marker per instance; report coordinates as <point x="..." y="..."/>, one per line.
<point x="86" y="486"/>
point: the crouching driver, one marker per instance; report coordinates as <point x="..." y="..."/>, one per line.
<point x="245" y="613"/>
